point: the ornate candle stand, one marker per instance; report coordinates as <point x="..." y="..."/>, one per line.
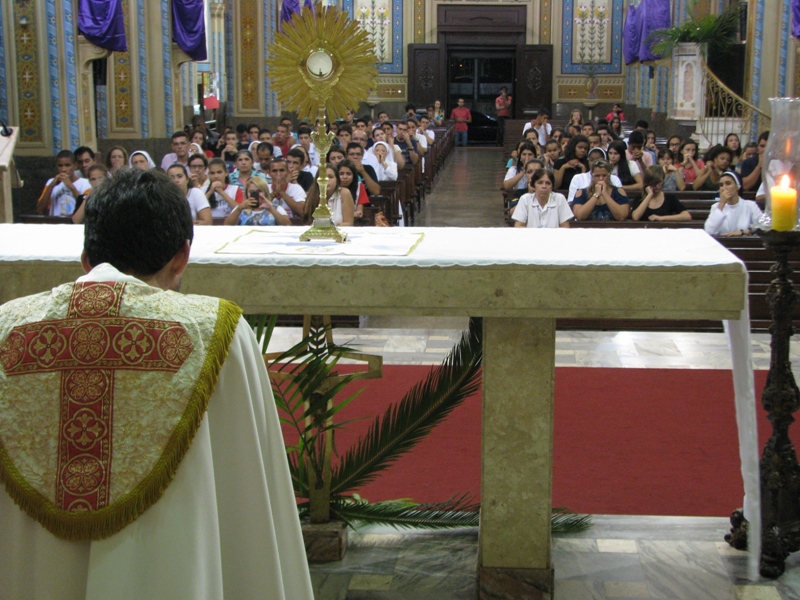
<point x="780" y="472"/>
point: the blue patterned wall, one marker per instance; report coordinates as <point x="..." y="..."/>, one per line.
<point x="166" y="48"/>
<point x="568" y="38"/>
<point x="143" y="97"/>
<point x="54" y="77"/>
<point x="71" y="83"/>
<point x="396" y="66"/>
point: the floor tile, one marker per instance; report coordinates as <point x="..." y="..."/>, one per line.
<point x="620" y="546"/>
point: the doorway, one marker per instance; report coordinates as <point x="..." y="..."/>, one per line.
<point x="477" y="74"/>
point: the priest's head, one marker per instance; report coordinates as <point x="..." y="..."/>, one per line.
<point x="140" y="223"/>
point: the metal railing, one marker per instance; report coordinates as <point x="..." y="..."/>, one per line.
<point x="727" y="112"/>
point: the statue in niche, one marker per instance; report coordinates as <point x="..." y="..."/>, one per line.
<point x="688" y="83"/>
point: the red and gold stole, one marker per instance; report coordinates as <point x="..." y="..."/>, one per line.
<point x="102" y="389"/>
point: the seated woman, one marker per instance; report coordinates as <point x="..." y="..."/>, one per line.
<point x="515" y="176"/>
<point x="615" y="126"/>
<point x="198" y="204"/>
<point x="576" y="117"/>
<point x="531" y="167"/>
<point x="544" y="207"/>
<point x="573" y="162"/>
<point x="222" y="196"/>
<point x="601" y="201"/>
<point x="387" y="168"/>
<point x="585" y="179"/>
<point x="340" y="202"/>
<point x="198" y="171"/>
<point x="348" y="179"/>
<point x="731" y="215"/>
<point x="141" y="160"/>
<point x="257" y="207"/>
<point x="733" y="143"/>
<point x="717" y="159"/>
<point x="198" y="136"/>
<point x="656" y="205"/>
<point x="116" y="159"/>
<point x="244" y="170"/>
<point x="673" y="180"/>
<point x="688" y="166"/>
<point x="627" y="170"/>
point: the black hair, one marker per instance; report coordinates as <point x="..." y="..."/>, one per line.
<point x="66" y="154"/>
<point x="137" y="221"/>
<point x="249" y="127"/>
<point x="83" y="150"/>
<point x="734" y="153"/>
<point x="354" y="146"/>
<point x="360" y="120"/>
<point x="411" y="106"/>
<point x="666" y="152"/>
<point x="176" y="135"/>
<point x="346" y="128"/>
<point x="539" y="173"/>
<point x="623" y="168"/>
<point x="572" y="144"/>
<point x="212" y="200"/>
<point x="241" y="128"/>
<point x="543" y="112"/>
<point x="267" y="146"/>
<point x="763" y="136"/>
<point x="636" y="137"/>
<point x="334" y="149"/>
<point x="715" y="151"/>
<point x="520" y="149"/>
<point x="297" y="153"/>
<point x="640" y="124"/>
<point x="303" y="129"/>
<point x="353" y="187"/>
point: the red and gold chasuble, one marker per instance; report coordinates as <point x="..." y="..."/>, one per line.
<point x="103" y="386"/>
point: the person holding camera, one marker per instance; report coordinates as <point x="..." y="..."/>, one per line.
<point x="257" y="208"/>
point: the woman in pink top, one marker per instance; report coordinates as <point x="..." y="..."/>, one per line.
<point x="689" y="167"/>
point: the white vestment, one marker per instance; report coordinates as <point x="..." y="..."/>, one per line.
<point x="226" y="527"/>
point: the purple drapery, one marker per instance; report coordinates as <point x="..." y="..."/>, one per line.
<point x="291" y="7"/>
<point x="653" y="15"/>
<point x="189" y="27"/>
<point x="101" y="22"/>
<point x="796" y="18"/>
<point x="630" y="35"/>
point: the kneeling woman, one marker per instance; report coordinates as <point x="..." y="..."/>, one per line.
<point x="601" y="201"/>
<point x="656" y="205"/>
<point x="257" y="208"/>
<point x="543" y="208"/>
<point x="731" y="215"/>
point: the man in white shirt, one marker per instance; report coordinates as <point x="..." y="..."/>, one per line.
<point x="290" y="196"/>
<point x="540" y="125"/>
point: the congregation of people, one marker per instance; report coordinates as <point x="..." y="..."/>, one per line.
<point x="592" y="171"/>
<point x="250" y="175"/>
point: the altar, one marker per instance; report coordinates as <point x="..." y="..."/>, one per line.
<point x="518" y="280"/>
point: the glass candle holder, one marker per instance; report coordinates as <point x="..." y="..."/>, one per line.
<point x="780" y="166"/>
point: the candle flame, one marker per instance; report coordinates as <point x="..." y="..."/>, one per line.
<point x="785" y="182"/>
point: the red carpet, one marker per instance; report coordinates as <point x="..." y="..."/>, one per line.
<point x="627" y="441"/>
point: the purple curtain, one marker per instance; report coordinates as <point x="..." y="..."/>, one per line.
<point x="656" y="15"/>
<point x="101" y="22"/>
<point x="630" y="36"/>
<point x="291" y="7"/>
<point x="796" y="18"/>
<point x="189" y="27"/>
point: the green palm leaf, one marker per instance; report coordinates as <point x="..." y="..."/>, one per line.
<point x="420" y="410"/>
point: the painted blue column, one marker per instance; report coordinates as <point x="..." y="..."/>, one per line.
<point x="71" y="83"/>
<point x="786" y="20"/>
<point x="270" y="96"/>
<point x="166" y="47"/>
<point x="758" y="45"/>
<point x="140" y="42"/>
<point x="53" y="57"/>
<point x="229" y="72"/>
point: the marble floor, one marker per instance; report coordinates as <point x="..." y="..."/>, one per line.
<point x="633" y="557"/>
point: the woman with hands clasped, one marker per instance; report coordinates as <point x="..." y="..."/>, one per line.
<point x="222" y="196"/>
<point x="544" y="207"/>
<point x="257" y="207"/>
<point x="515" y="176"/>
<point x="601" y="201"/>
<point x="573" y="162"/>
<point x="657" y="206"/>
<point x="718" y="159"/>
<point x="731" y="215"/>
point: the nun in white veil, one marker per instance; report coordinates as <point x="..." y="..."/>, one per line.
<point x="384" y="157"/>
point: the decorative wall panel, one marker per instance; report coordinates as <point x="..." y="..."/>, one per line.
<point x="69" y="60"/>
<point x="54" y="77"/>
<point x="144" y="114"/>
<point x="26" y="32"/>
<point x="166" y="48"/>
<point x="545" y="21"/>
<point x="383" y="21"/>
<point x="577" y="36"/>
<point x="3" y="80"/>
<point x="419" y="21"/>
<point x="122" y="72"/>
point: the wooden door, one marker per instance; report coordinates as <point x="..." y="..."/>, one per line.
<point x="534" y="80"/>
<point x="427" y="74"/>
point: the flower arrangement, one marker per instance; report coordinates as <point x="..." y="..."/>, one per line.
<point x="591" y="20"/>
<point x="375" y="21"/>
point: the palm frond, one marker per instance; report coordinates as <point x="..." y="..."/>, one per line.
<point x="564" y="521"/>
<point x="715" y="31"/>
<point x="420" y="410"/>
<point x="263" y="326"/>
<point x="404" y="514"/>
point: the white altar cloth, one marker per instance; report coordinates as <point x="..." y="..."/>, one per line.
<point x="487" y="272"/>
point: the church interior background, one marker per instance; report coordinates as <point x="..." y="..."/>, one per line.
<point x="63" y="91"/>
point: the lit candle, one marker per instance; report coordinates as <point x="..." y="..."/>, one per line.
<point x="784" y="206"/>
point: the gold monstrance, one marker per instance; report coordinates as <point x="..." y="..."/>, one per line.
<point x="322" y="62"/>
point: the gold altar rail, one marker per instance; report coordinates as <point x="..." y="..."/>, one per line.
<point x="727" y="112"/>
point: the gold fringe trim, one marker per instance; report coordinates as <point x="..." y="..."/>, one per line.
<point x="107" y="521"/>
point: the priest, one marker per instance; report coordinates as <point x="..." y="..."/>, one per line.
<point x="140" y="450"/>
